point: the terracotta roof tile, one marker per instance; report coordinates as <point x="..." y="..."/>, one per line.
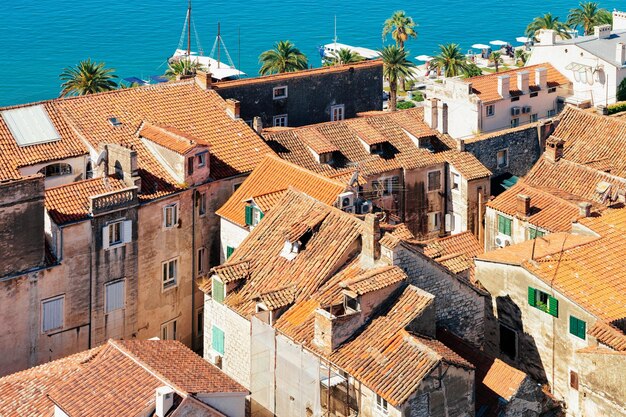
<point x="233" y="271"/>
<point x="503" y="379"/>
<point x="169" y="137"/>
<point x="486" y="86"/>
<point x="278" y="298"/>
<point x="270" y="179"/>
<point x="609" y="335"/>
<point x="374" y="279"/>
<point x="70" y="203"/>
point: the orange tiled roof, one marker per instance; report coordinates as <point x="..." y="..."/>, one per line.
<point x="548" y="211"/>
<point x="13" y="156"/>
<point x="232" y="271"/>
<point x="374" y="279"/>
<point x="503" y="379"/>
<point x="270" y="179"/>
<point x="609" y="335"/>
<point x="24" y="394"/>
<point x="278" y="298"/>
<point x="593" y="140"/>
<point x="486" y="86"/>
<point x="401" y="130"/>
<point x="297" y="74"/>
<point x="70" y="202"/>
<point x="235" y="148"/>
<point x="168" y="137"/>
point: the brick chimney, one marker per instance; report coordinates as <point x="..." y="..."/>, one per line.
<point x="523" y="205"/>
<point x="620" y="53"/>
<point x="522" y="81"/>
<point x="504" y="84"/>
<point x="370" y="241"/>
<point x="554" y="149"/>
<point x="203" y="79"/>
<point x="584" y="209"/>
<point x="233" y="108"/>
<point x="541" y="77"/>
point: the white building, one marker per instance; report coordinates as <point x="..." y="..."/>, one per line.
<point x="595" y="64"/>
<point x="467" y="107"/>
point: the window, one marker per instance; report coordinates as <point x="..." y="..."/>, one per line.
<point x="170" y="270"/>
<point x="504" y="225"/>
<point x="89" y="170"/>
<point x="381" y="406"/>
<point x="551" y="90"/>
<point x="190" y="165"/>
<point x="577" y="327"/>
<point x="52" y="313"/>
<point x="170" y="215"/>
<point x="280" y="120"/>
<point x="201" y="260"/>
<point x="455" y="181"/>
<point x="534" y="94"/>
<point x="229" y="251"/>
<point x="201" y="159"/>
<point x="490" y="110"/>
<point x="200" y="322"/>
<point x="217" y="290"/>
<point x="434" y="221"/>
<point x="502" y="157"/>
<point x="236" y="186"/>
<point x="56" y="170"/>
<point x="114" y="296"/>
<point x="534" y="233"/>
<point x="337" y="112"/>
<point x="515" y="122"/>
<point x="201" y="204"/>
<point x="117" y="233"/>
<point x="326" y="158"/>
<point x="217" y="340"/>
<point x="508" y="341"/>
<point x="551" y="113"/>
<point x="253" y="215"/>
<point x="352" y="303"/>
<point x="280" y="92"/>
<point x="543" y="301"/>
<point x="434" y="180"/>
<point x="168" y="330"/>
<point x="514" y="99"/>
<point x="386" y="186"/>
<point x="573" y="379"/>
<point x="533" y="117"/>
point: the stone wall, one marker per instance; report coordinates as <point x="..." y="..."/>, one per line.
<point x="310" y="97"/>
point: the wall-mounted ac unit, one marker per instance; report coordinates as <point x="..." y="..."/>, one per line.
<point x="515" y="111"/>
<point x="349" y="209"/>
<point x="364" y="208"/>
<point x="526" y="109"/>
<point x="215" y="358"/>
<point x="345" y="200"/>
<point x="503" y="240"/>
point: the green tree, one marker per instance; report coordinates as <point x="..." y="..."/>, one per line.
<point x="472" y="70"/>
<point x="285" y="57"/>
<point x="547" y="21"/>
<point x="401" y="28"/>
<point x="183" y="67"/>
<point x="450" y="60"/>
<point x="521" y="57"/>
<point x="396" y="66"/>
<point x="587" y="15"/>
<point x="496" y="58"/>
<point x="621" y="91"/>
<point x="87" y="77"/>
<point x="343" y="56"/>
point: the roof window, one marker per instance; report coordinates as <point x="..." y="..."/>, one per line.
<point x="114" y="121"/>
<point x="30" y="125"/>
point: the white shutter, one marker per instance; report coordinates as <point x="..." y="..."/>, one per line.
<point x="449" y="222"/>
<point x="165" y="216"/>
<point x="114" y="296"/>
<point x="52" y="316"/>
<point x="127" y="231"/>
<point x="105" y="237"/>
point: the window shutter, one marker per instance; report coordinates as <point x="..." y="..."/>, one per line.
<point x="229" y="251"/>
<point x="217" y="340"/>
<point x="165" y="210"/>
<point x="507" y="228"/>
<point x="553" y="306"/>
<point x="127" y="231"/>
<point x="261" y="215"/>
<point x="532" y="297"/>
<point x="218" y="290"/>
<point x="248" y="215"/>
<point x="105" y="237"/>
<point x="114" y="296"/>
<point x="52" y="314"/>
<point x="573" y="325"/>
<point x="500" y="224"/>
<point x="582" y="329"/>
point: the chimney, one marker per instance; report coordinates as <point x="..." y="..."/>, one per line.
<point x="619" y="20"/>
<point x="442" y="117"/>
<point x="430" y="113"/>
<point x="460" y="145"/>
<point x="504" y="82"/>
<point x="541" y="77"/>
<point x="257" y="124"/>
<point x="546" y="37"/>
<point x="523" y="205"/>
<point x="370" y="241"/>
<point x="620" y="53"/>
<point x="522" y="81"/>
<point x="584" y="209"/>
<point x="203" y="79"/>
<point x="602" y="31"/>
<point x="233" y="108"/>
<point x="164" y="400"/>
<point x="554" y="149"/>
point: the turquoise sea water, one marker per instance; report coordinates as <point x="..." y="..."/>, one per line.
<point x="41" y="37"/>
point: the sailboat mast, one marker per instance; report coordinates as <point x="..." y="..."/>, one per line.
<point x="219" y="40"/>
<point x="189" y="29"/>
<point x="335" y="38"/>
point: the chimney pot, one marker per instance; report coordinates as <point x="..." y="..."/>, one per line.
<point x="504" y="84"/>
<point x="257" y="124"/>
<point x="461" y="145"/>
<point x="554" y="149"/>
<point x="620" y="53"/>
<point x="547" y="37"/>
<point x="541" y="77"/>
<point x="523" y="205"/>
<point x="204" y="80"/>
<point x="442" y="117"/>
<point x="370" y="248"/>
<point x="522" y="81"/>
<point x="233" y="108"/>
<point x="602" y="31"/>
<point x="430" y="113"/>
<point x="584" y="209"/>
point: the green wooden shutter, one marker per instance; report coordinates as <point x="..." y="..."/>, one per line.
<point x="532" y="299"/>
<point x="582" y="329"/>
<point x="504" y="225"/>
<point x="217" y="340"/>
<point x="261" y="215"/>
<point x="553" y="306"/>
<point x="577" y="327"/>
<point x="248" y="215"/>
<point x="218" y="290"/>
<point x="229" y="251"/>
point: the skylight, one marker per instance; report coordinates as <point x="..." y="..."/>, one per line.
<point x="30" y="125"/>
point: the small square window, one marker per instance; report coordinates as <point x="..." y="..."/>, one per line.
<point x="280" y="120"/>
<point x="533" y="117"/>
<point x="514" y="99"/>
<point x="551" y="90"/>
<point x="169" y="330"/>
<point x="280" y="92"/>
<point x="382" y="407"/>
<point x="456" y="181"/>
<point x="170" y="215"/>
<point x="434" y="222"/>
<point x="502" y="157"/>
<point x="202" y="260"/>
<point x="202" y="204"/>
<point x="490" y="110"/>
<point x="504" y="225"/>
<point x="577" y="327"/>
<point x="534" y="94"/>
<point x="337" y="112"/>
<point x="190" y="165"/>
<point x="434" y="180"/>
<point x="573" y="380"/>
<point x="543" y="301"/>
<point x="551" y="113"/>
<point x="115" y="233"/>
<point x="515" y="122"/>
<point x="52" y="313"/>
<point x="201" y="159"/>
<point x="170" y="272"/>
<point x="114" y="298"/>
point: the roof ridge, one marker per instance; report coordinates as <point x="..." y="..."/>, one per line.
<point x="84" y="181"/>
<point x="169" y="84"/>
<point x="303" y="169"/>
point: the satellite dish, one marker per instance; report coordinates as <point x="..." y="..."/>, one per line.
<point x="101" y="157"/>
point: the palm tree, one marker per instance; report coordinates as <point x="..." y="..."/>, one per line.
<point x="547" y="21"/>
<point x="496" y="58"/>
<point x="182" y="67"/>
<point x="285" y="57"/>
<point x="343" y="56"/>
<point x="396" y="66"/>
<point x="87" y="77"/>
<point x="521" y="57"/>
<point x="450" y="60"/>
<point x="588" y="15"/>
<point x="401" y="28"/>
<point x="472" y="70"/>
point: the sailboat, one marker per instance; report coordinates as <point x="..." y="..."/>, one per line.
<point x="331" y="49"/>
<point x="219" y="70"/>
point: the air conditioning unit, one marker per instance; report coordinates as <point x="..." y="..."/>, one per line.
<point x="345" y="200"/>
<point x="503" y="241"/>
<point x="215" y="358"/>
<point x="526" y="109"/>
<point x="365" y="207"/>
<point x="349" y="209"/>
<point x="515" y="111"/>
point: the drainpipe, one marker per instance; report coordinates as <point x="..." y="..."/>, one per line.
<point x="193" y="268"/>
<point x="92" y="248"/>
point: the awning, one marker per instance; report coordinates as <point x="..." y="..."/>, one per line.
<point x="334" y="380"/>
<point x="576" y="67"/>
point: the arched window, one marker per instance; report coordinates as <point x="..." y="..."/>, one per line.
<point x="55" y="170"/>
<point x="89" y="170"/>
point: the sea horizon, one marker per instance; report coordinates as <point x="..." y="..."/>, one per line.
<point x="43" y="37"/>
